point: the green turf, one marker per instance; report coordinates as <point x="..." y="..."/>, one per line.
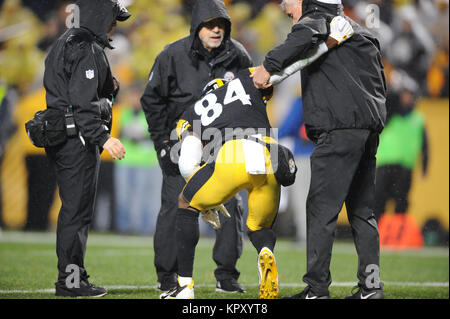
<point x="124" y="264"/>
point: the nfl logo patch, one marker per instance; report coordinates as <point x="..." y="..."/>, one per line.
<point x="90" y="74"/>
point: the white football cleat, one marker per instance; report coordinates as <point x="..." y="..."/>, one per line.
<point x="268" y="274"/>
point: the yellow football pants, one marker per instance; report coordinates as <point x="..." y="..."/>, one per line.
<point x="216" y="183"/>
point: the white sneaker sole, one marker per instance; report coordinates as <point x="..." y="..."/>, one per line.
<point x="182" y="295"/>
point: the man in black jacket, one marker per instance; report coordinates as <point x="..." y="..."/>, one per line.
<point x="79" y="86"/>
<point x="344" y="108"/>
<point x="176" y="81"/>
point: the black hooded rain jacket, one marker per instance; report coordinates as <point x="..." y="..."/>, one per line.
<point x="346" y="87"/>
<point x="77" y="71"/>
<point x="184" y="67"/>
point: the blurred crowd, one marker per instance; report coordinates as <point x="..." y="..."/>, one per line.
<point x="414" y="36"/>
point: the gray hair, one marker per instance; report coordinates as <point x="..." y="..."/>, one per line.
<point x="284" y="3"/>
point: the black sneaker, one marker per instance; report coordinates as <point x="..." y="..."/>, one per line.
<point x="229" y="285"/>
<point x="86" y="289"/>
<point x="365" y="293"/>
<point x="307" y="294"/>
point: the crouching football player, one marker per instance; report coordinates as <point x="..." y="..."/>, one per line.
<point x="227" y="145"/>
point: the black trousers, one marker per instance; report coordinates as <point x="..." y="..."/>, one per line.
<point x="393" y="182"/>
<point x="342" y="170"/>
<point x="76" y="168"/>
<point x="229" y="238"/>
<point x="41" y="189"/>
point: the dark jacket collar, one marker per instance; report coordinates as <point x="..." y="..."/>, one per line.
<point x="225" y="54"/>
<point x="311" y="6"/>
<point x="103" y="42"/>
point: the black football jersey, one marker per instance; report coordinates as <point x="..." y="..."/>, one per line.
<point x="233" y="108"/>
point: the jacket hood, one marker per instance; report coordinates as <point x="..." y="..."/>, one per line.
<point x="98" y="15"/>
<point x="205" y="10"/>
<point x="327" y="6"/>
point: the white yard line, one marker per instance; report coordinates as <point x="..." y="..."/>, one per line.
<point x="143" y="245"/>
<point x="146" y="242"/>
<point x="291" y="285"/>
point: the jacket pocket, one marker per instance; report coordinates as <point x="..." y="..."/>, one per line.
<point x="55" y="129"/>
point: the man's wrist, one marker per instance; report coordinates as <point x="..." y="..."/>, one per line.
<point x="268" y="68"/>
<point x="331" y="42"/>
<point x="105" y="137"/>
